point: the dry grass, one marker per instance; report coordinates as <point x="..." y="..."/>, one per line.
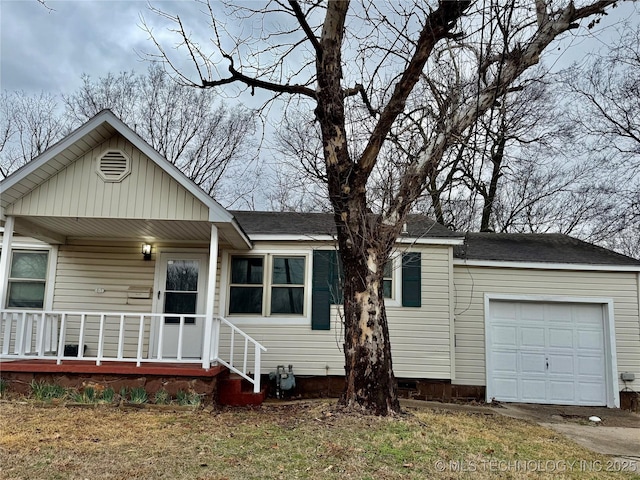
<point x="310" y="440"/>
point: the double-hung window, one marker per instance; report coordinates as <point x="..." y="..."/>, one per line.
<point x="267" y="285"/>
<point x="27" y="279"/>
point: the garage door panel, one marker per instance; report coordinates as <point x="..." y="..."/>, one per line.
<point x="504" y="336"/>
<point x="590" y="340"/>
<point x="505" y="310"/>
<point x="561" y="364"/>
<point x="506" y="389"/>
<point x="505" y="362"/>
<point x="532" y="337"/>
<point x="532" y="363"/>
<point x="591" y="393"/>
<point x="559" y="348"/>
<point x="590" y="366"/>
<point x="531" y="312"/>
<point x="561" y="392"/>
<point x="561" y="337"/>
<point x="588" y="315"/>
<point x="533" y="391"/>
<point x="557" y="313"/>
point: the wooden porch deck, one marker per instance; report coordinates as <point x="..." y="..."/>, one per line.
<point x="110" y="368"/>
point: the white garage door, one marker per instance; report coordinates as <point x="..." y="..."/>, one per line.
<point x="546" y="353"/>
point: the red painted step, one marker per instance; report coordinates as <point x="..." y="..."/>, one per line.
<point x="234" y="390"/>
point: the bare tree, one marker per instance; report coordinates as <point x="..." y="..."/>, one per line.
<point x="362" y="61"/>
<point x="606" y="106"/>
<point x="29" y="124"/>
<point x="208" y="142"/>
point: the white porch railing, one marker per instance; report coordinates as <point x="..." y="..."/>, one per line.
<point x="127" y="337"/>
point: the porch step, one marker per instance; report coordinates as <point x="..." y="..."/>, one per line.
<point x="233" y="390"/>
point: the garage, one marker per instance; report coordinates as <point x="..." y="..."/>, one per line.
<point x="551" y="352"/>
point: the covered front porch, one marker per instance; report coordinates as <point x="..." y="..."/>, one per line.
<point x="122" y="343"/>
<point x="110" y="257"/>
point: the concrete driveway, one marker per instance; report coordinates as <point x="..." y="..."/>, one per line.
<point x="617" y="435"/>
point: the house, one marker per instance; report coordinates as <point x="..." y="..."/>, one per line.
<point x="122" y="269"/>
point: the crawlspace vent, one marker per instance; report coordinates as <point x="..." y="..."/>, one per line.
<point x="113" y="165"/>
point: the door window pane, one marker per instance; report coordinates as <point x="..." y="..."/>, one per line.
<point x="180" y="302"/>
<point x="182" y="275"/>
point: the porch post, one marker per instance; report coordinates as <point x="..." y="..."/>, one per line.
<point x="5" y="257"/>
<point x="211" y="291"/>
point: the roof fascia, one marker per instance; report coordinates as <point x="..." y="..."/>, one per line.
<point x="546" y="266"/>
<point x="266" y="237"/>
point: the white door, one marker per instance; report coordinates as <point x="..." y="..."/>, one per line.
<point x="540" y="352"/>
<point x="181" y="289"/>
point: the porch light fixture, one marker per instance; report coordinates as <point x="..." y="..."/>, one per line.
<point x="146" y="251"/>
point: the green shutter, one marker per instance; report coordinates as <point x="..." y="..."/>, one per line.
<point x="411" y="275"/>
<point x="320" y="289"/>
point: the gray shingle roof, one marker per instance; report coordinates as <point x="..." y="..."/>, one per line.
<point x="537" y="247"/>
<point x="294" y="223"/>
<point x="506" y="247"/>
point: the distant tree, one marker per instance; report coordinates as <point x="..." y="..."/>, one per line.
<point x="360" y="62"/>
<point x="212" y="144"/>
<point x="29" y="124"/>
<point x="605" y="104"/>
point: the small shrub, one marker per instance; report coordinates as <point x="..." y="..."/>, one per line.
<point x="161" y="397"/>
<point x="188" y="398"/>
<point x="138" y="395"/>
<point x="45" y="392"/>
<point x="4" y="385"/>
<point x="108" y="394"/>
<point x="124" y="392"/>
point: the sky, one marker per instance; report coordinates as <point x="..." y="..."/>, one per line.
<point x="48" y="49"/>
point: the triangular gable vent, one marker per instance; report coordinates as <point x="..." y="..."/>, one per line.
<point x="113" y="165"/>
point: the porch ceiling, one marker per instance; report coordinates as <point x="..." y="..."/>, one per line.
<point x="57" y="230"/>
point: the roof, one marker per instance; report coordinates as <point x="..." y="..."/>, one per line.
<point x="95" y="131"/>
<point x="537" y="248"/>
<point x="316" y="224"/>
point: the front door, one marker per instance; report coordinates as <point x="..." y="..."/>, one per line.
<point x="181" y="289"/>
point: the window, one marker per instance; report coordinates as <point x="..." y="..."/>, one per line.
<point x="247" y="285"/>
<point x="27" y="279"/>
<point x="270" y="283"/>
<point x="387" y="282"/>
<point x="287" y="285"/>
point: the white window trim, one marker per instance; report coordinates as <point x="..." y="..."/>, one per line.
<point x="50" y="277"/>
<point x="260" y="319"/>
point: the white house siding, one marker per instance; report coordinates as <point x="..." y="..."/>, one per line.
<point x="420" y="337"/>
<point x="472" y="282"/>
<point x="77" y="191"/>
<point x="86" y="266"/>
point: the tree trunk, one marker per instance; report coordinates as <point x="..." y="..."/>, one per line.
<point x="370" y="382"/>
<point x="489" y="200"/>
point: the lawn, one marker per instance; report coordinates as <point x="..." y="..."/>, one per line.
<point x="307" y="440"/>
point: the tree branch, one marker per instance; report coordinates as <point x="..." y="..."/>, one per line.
<point x="305" y="26"/>
<point x="437" y="27"/>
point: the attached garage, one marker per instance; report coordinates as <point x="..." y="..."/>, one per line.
<point x="550" y="350"/>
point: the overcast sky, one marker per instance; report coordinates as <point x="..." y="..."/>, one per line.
<point x="48" y="50"/>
